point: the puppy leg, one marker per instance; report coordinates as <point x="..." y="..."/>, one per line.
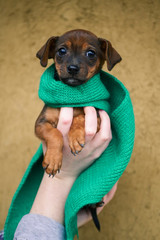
<point x="45" y="129"/>
<point x="76" y="134"/>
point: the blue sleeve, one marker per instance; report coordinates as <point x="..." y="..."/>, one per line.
<point x="35" y="227"/>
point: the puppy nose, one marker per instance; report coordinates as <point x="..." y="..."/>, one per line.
<point x="73" y="69"/>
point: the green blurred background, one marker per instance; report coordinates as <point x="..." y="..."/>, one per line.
<point x="133" y="27"/>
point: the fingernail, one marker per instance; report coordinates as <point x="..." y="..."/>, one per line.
<point x="50" y="174"/>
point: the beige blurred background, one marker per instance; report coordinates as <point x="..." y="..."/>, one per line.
<point x="133" y="27"/>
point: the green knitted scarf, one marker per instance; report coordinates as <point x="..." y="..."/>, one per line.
<point x="57" y="94"/>
<point x="105" y="92"/>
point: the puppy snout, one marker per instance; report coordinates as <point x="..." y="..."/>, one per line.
<point x="73" y="69"/>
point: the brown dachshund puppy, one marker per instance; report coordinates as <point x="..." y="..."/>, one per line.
<point x="78" y="56"/>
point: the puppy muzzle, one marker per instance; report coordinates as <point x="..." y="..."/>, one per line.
<point x="72" y="82"/>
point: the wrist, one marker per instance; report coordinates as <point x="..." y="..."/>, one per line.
<point x="65" y="177"/>
<point x="53" y="190"/>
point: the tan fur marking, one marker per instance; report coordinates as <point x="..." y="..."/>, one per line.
<point x="68" y="44"/>
<point x="85" y="46"/>
<point x="57" y="67"/>
<point x="52" y="115"/>
<point x="92" y="70"/>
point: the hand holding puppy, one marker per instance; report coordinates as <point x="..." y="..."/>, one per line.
<point x="72" y="166"/>
<point x="95" y="142"/>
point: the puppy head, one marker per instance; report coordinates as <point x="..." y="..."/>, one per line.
<point x="78" y="56"/>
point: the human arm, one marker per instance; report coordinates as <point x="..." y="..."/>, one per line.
<point x="53" y="192"/>
<point x="56" y="190"/>
<point x="84" y="215"/>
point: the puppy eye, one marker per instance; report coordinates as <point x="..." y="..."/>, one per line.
<point x="62" y="51"/>
<point x="90" y="54"/>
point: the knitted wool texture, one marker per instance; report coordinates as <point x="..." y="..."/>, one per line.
<point x="105" y="92"/>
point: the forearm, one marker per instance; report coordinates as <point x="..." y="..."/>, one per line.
<point x="51" y="197"/>
<point x="53" y="192"/>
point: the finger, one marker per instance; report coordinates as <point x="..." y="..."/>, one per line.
<point x="111" y="194"/>
<point x="65" y="120"/>
<point x="104" y="135"/>
<point x="108" y="197"/>
<point x="84" y="215"/>
<point x="90" y="123"/>
<point x="44" y="147"/>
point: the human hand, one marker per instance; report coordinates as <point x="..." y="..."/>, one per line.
<point x="95" y="142"/>
<point x="84" y="214"/>
<point x="72" y="166"/>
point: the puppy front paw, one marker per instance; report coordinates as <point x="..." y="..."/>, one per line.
<point x="52" y="162"/>
<point x="76" y="135"/>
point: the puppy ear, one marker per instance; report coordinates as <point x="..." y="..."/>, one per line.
<point x="47" y="51"/>
<point x="111" y="55"/>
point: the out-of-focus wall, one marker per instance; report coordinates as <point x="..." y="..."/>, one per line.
<point x="133" y="28"/>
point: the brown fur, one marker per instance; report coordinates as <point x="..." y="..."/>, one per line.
<point x="78" y="56"/>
